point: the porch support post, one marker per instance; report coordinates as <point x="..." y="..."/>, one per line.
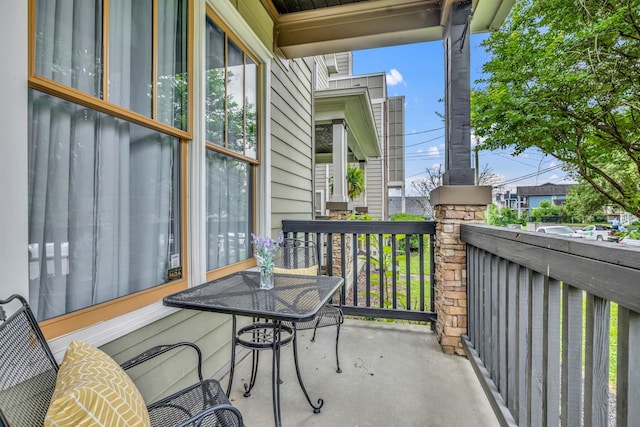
<point x="457" y="38"/>
<point x="454" y="205"/>
<point x="339" y="161"/>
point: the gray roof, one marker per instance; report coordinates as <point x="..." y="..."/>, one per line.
<point x="544" y="190"/>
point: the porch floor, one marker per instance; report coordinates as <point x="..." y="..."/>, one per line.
<point x="392" y="374"/>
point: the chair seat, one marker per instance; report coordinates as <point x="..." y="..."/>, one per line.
<point x="177" y="408"/>
<point x="327" y="316"/>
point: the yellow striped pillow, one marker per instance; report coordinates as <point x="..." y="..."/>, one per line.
<point x="303" y="271"/>
<point x="93" y="390"/>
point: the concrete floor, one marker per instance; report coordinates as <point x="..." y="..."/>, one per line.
<point x="392" y="375"/>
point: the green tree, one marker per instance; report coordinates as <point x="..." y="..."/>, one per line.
<point x="502" y="216"/>
<point x="545" y="210"/>
<point x="584" y="204"/>
<point x="564" y="78"/>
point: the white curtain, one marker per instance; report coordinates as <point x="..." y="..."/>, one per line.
<point x="228" y="223"/>
<point x="102" y="191"/>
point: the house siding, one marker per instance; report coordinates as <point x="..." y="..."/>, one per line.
<point x="344" y="61"/>
<point x="210" y="331"/>
<point x="375" y="188"/>
<point x="322" y="74"/>
<point x="291" y="142"/>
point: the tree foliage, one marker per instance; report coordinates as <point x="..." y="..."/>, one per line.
<point x="502" y="216"/>
<point x="584" y="204"/>
<point x="564" y="78"/>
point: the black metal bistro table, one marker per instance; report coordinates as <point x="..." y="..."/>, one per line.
<point x="293" y="299"/>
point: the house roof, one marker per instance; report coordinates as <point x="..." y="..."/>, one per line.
<point x="307" y="28"/>
<point x="544" y="190"/>
<point x="354" y="106"/>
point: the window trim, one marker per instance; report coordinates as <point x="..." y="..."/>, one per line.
<point x="195" y="252"/>
<point x="236" y="29"/>
<point x="111" y="311"/>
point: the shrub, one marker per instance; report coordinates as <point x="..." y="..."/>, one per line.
<point x="414" y="241"/>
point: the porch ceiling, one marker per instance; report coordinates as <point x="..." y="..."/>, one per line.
<point x="313" y="27"/>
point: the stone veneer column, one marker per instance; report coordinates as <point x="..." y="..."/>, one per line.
<point x="454" y="205"/>
<point x="340" y="211"/>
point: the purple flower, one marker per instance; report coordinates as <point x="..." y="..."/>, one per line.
<point x="266" y="248"/>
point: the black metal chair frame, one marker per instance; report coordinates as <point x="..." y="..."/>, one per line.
<point x="297" y="253"/>
<point x="28" y="372"/>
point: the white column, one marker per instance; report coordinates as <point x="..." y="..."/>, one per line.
<point x="339" y="161"/>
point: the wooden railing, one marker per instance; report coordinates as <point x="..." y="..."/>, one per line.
<point x="368" y="255"/>
<point x="540" y="334"/>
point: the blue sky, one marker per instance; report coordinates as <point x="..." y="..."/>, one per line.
<point x="417" y="72"/>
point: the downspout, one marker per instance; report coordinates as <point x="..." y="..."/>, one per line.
<point x="314" y="81"/>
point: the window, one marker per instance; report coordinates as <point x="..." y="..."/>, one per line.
<point x="232" y="147"/>
<point x="108" y="122"/>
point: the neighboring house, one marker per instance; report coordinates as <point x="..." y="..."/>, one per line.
<point x="142" y="147"/>
<point x="353" y="127"/>
<point x="508" y="200"/>
<point x="412" y="205"/>
<point x="531" y="196"/>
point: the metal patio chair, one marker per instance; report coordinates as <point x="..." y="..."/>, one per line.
<point x="298" y="256"/>
<point x="28" y="372"/>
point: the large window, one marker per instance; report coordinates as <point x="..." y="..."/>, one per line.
<point x="108" y="110"/>
<point x="232" y="139"/>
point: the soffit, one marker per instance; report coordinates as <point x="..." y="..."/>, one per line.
<point x="354" y="107"/>
<point x="314" y="27"/>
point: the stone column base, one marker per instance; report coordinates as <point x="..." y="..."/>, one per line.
<point x="452" y="207"/>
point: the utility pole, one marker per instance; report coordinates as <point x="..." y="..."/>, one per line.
<point x="477" y="163"/>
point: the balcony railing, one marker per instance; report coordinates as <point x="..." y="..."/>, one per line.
<point x="370" y="256"/>
<point x="540" y="329"/>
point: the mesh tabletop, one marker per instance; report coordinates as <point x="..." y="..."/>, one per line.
<point x="293" y="298"/>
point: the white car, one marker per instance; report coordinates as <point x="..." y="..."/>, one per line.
<point x="596" y="232"/>
<point x="559" y="230"/>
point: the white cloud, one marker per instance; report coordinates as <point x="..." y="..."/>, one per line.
<point x="433" y="151"/>
<point x="553" y="177"/>
<point x="419" y="150"/>
<point x="553" y="164"/>
<point x="436" y="166"/>
<point x="394" y="77"/>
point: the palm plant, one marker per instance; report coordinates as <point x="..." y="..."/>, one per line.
<point x="355" y="182"/>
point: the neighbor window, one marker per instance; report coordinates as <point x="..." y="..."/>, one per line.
<point x="231" y="96"/>
<point x="108" y="127"/>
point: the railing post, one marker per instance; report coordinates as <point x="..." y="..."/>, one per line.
<point x="454" y="205"/>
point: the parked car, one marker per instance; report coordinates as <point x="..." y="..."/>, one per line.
<point x="596" y="232"/>
<point x="628" y="241"/>
<point x="559" y="230"/>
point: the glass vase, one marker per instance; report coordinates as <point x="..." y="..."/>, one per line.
<point x="266" y="277"/>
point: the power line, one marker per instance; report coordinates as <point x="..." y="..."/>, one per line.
<point x="422" y="131"/>
<point x="423" y="142"/>
<point x="531" y="175"/>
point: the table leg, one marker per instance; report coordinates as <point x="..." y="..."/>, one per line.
<point x="255" y="358"/>
<point x="275" y="373"/>
<point x="233" y="354"/>
<point x="316" y="409"/>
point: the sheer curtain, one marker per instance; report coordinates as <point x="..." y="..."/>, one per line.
<point x="102" y="191"/>
<point x="228" y="208"/>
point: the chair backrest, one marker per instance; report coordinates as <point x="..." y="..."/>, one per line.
<point x="28" y="369"/>
<point x="297" y="254"/>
